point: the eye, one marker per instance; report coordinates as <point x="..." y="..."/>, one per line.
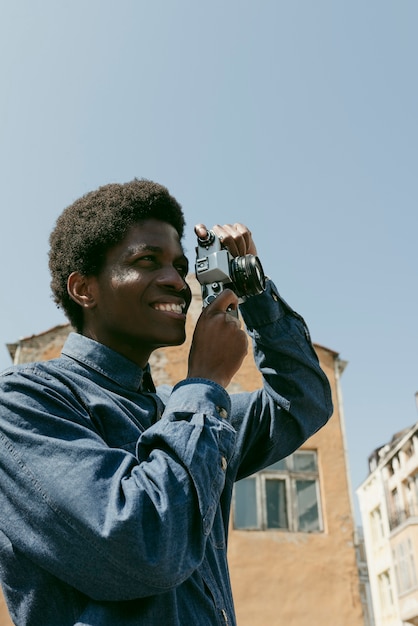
<point x="182" y="269"/>
<point x="146" y="259"/>
<point x="144" y="262"/>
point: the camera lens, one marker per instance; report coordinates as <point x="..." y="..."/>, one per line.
<point x="247" y="275"/>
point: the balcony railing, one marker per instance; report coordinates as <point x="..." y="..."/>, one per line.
<point x="396" y="518"/>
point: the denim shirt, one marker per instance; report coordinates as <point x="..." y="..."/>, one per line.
<point x="114" y="500"/>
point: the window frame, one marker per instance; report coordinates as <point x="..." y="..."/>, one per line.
<point x="290" y="476"/>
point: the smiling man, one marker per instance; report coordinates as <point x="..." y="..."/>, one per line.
<point x="115" y="496"/>
<point x="138" y="301"/>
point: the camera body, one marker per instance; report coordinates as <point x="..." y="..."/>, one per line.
<point x="217" y="269"/>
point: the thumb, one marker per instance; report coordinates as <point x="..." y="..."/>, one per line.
<point x="226" y="302"/>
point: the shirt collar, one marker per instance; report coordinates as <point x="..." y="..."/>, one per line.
<point x="104" y="360"/>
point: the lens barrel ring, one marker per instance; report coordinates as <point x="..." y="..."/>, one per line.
<point x="247" y="275"/>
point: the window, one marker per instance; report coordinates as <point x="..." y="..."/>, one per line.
<point x="284" y="496"/>
<point x="413" y="494"/>
<point x="385" y="590"/>
<point x="403" y="556"/>
<point x="409" y="449"/>
<point x="376" y="524"/>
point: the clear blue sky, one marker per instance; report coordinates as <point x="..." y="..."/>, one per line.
<point x="299" y="118"/>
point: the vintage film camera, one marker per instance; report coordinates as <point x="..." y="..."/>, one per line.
<point x="217" y="269"/>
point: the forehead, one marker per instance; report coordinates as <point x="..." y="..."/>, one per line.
<point x="148" y="234"/>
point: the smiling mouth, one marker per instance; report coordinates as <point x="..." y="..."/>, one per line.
<point x="170" y="307"/>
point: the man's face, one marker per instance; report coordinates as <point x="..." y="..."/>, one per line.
<point x="141" y="297"/>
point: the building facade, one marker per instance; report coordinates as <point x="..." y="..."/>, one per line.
<point x="292" y="545"/>
<point x="388" y="500"/>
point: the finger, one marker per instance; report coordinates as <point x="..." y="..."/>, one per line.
<point x="246" y="236"/>
<point x="201" y="231"/>
<point x="232" y="318"/>
<point x="225" y="302"/>
<point x="230" y="239"/>
<point x="237" y="238"/>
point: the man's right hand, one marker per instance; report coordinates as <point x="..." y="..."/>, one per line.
<point x="219" y="343"/>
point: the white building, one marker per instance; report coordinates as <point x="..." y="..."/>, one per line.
<point x="388" y="501"/>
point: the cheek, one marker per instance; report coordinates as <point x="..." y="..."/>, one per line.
<point x="124" y="278"/>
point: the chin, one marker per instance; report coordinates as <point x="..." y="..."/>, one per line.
<point x="178" y="341"/>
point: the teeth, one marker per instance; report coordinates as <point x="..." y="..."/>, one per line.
<point x="176" y="308"/>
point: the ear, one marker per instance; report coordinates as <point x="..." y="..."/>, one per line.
<point x="81" y="289"/>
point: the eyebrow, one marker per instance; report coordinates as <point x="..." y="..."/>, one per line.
<point x="146" y="247"/>
<point x="143" y="246"/>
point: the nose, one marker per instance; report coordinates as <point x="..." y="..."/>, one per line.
<point x="171" y="277"/>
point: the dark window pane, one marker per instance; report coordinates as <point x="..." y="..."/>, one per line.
<point x="276" y="504"/>
<point x="245" y="504"/>
<point x="308" y="515"/>
<point x="304" y="462"/>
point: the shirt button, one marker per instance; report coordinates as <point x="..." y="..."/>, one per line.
<point x="224" y="463"/>
<point x="222" y="412"/>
